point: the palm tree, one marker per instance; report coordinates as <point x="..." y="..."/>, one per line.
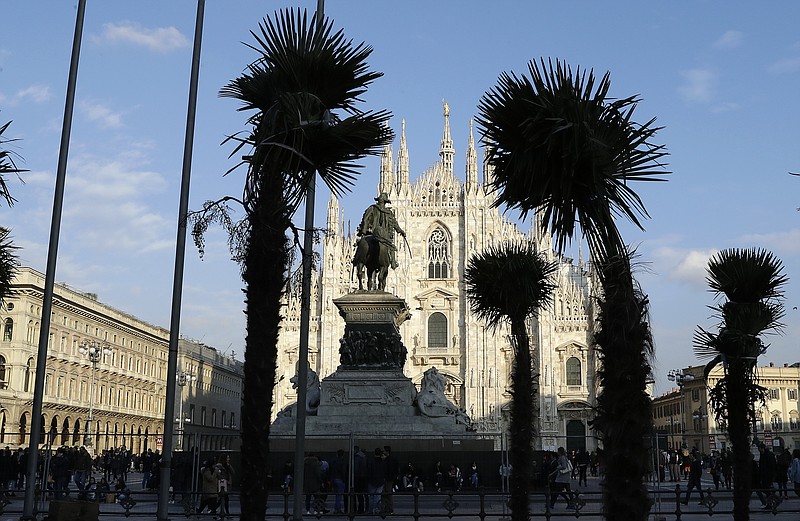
<point x="752" y="281"/>
<point x="514" y="282"/>
<point x="559" y="145"/>
<point x="9" y="262"/>
<point x="304" y="75"/>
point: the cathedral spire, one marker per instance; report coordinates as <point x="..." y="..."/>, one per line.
<point x="447" y="151"/>
<point x="402" y="160"/>
<point x="387" y="181"/>
<point x="472" y="162"/>
<point x="333" y="214"/>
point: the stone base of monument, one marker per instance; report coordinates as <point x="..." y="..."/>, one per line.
<point x="369" y="394"/>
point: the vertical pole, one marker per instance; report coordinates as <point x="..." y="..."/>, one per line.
<point x="305" y="319"/>
<point x="50" y="275"/>
<point x="91" y="406"/>
<point x="177" y="281"/>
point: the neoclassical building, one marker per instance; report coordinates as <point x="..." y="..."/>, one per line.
<point x="683" y="418"/>
<point x="125" y="389"/>
<point x="447" y="219"/>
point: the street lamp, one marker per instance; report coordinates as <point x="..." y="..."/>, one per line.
<point x="699" y="415"/>
<point x="183" y="379"/>
<point x="94" y="351"/>
<point x="680" y="378"/>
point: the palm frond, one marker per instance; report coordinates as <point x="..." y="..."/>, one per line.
<point x="7" y="166"/>
<point x="9" y="262"/>
<point x="559" y="144"/>
<point x="511" y="281"/>
<point x="746" y="275"/>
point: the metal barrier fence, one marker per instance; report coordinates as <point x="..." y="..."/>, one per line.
<point x="481" y="503"/>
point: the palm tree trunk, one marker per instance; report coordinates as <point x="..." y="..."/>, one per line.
<point x="739" y="435"/>
<point x="521" y="428"/>
<point x="264" y="276"/>
<point x="624" y="410"/>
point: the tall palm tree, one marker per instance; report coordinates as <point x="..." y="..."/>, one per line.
<point x="752" y="281"/>
<point x="560" y="146"/>
<point x="514" y="282"/>
<point x="304" y="76"/>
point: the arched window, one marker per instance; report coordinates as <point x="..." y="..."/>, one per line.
<point x="8" y="330"/>
<point x="3" y="382"/>
<point x="439" y="255"/>
<point x="573" y="371"/>
<point x="437" y="331"/>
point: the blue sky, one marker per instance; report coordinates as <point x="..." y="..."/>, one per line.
<point x="722" y="77"/>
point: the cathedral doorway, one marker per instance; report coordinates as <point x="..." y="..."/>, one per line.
<point x="576" y="436"/>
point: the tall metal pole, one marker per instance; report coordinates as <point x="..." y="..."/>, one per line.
<point x="50" y="274"/>
<point x="177" y="281"/>
<point x="305" y="320"/>
<point x="91" y="407"/>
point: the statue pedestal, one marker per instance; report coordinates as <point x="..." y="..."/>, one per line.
<point x="369" y="394"/>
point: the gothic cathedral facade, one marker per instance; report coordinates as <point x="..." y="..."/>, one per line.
<point x="447" y="220"/>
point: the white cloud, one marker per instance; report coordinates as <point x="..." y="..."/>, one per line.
<point x="101" y="114"/>
<point x="683" y="265"/>
<point x="728" y="106"/>
<point x="787" y="242"/>
<point x="160" y="39"/>
<point x="692" y="268"/>
<point x="729" y="40"/>
<point x="787" y="65"/>
<point x="35" y="93"/>
<point x="113" y="206"/>
<point x="698" y="85"/>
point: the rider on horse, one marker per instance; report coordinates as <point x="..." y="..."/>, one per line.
<point x="381" y="223"/>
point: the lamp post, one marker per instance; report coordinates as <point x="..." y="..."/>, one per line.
<point x="94" y="351"/>
<point x="700" y="414"/>
<point x="183" y="378"/>
<point x="680" y="378"/>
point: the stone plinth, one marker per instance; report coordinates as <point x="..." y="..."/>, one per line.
<point x="369" y="393"/>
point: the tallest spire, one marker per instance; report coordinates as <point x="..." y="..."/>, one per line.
<point x="447" y="151"/>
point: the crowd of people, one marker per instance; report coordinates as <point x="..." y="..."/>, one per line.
<point x="104" y="476"/>
<point x="376" y="476"/>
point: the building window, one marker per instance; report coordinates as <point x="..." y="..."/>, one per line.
<point x="438" y="255"/>
<point x="203" y="415"/>
<point x="573" y="371"/>
<point x="437" y="331"/>
<point x="3" y="382"/>
<point x="791" y="394"/>
<point x="695" y="395"/>
<point x="213" y="417"/>
<point x="774" y="394"/>
<point x="777" y="422"/>
<point x="8" y="330"/>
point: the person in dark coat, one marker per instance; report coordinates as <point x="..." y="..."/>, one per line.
<point x="360" y="479"/>
<point x="340" y="469"/>
<point x="376" y="479"/>
<point x="312" y="482"/>
<point x="767" y="466"/>
<point x="695" y="477"/>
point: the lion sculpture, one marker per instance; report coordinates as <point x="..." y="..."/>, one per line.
<point x="312" y="391"/>
<point x="431" y="400"/>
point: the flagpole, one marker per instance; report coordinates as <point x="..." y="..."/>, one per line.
<point x="162" y="513"/>
<point x="50" y="272"/>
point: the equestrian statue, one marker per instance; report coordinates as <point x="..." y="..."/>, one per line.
<point x="375" y="248"/>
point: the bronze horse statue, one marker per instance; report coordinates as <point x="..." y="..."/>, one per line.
<point x="373" y="256"/>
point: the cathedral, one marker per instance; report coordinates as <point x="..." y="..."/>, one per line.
<point x="448" y="219"/>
